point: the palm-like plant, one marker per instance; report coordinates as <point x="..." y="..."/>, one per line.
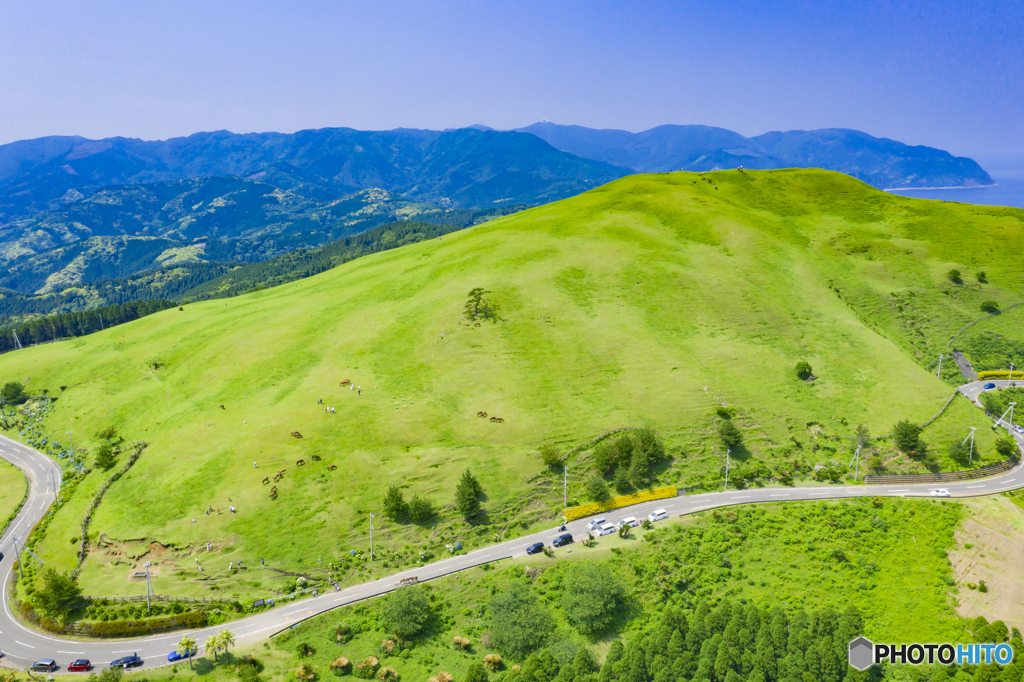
<point x="213" y="645"/>
<point x="305" y="672"/>
<point x="187" y="647"/>
<point x="226" y="640"/>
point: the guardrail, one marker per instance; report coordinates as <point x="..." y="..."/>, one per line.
<point x="944" y="476"/>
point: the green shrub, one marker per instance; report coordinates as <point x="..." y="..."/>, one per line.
<point x="954" y="276"/>
<point x="803" y="370"/>
<point x="990" y="307"/>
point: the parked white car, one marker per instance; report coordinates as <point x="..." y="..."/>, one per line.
<point x="629" y="521"/>
<point x="596" y="523"/>
<point x="941" y="492"/>
<point x="657" y="515"/>
<point x="605" y="529"/>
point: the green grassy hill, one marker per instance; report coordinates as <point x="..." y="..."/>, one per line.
<point x="649" y="301"/>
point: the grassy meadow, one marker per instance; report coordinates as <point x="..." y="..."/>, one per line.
<point x="12" y="490"/>
<point x="650" y="301"/>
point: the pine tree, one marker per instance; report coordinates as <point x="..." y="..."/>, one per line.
<point x="394" y="503"/>
<point x="104" y="456"/>
<point x="467" y="494"/>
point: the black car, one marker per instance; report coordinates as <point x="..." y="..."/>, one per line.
<point x="564" y="539"/>
<point x="126" y="662"/>
<point x="535" y="548"/>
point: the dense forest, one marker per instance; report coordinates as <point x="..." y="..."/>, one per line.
<point x="70" y="325"/>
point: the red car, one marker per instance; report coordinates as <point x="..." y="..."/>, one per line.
<point x="80" y="666"/>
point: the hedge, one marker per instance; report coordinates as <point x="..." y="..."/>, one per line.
<point x="145" y="626"/>
<point x="999" y="375"/>
<point x="573" y="513"/>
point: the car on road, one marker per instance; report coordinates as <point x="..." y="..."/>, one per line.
<point x="657" y="515"/>
<point x="604" y="529"/>
<point x="175" y="656"/>
<point x="126" y="662"/>
<point x="988" y="387"/>
<point x="535" y="547"/>
<point x="596" y="523"/>
<point x="1018" y="428"/>
<point x="563" y="539"/>
<point x="46" y="665"/>
<point x="80" y="666"/>
<point x="629" y="521"/>
<point x="941" y="492"/>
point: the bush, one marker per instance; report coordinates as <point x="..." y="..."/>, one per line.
<point x="387" y="674"/>
<point x="420" y="509"/>
<point x="492" y="662"/>
<point x="518" y="623"/>
<point x="590" y="596"/>
<point x="990" y="307"/>
<point x="982" y="277"/>
<point x="442" y="676"/>
<point x="405" y="611"/>
<point x="104" y="456"/>
<point x="597" y="489"/>
<point x="460" y="643"/>
<point x="803" y="370"/>
<point x="343" y="633"/>
<point x="581" y="511"/>
<point x="366" y="668"/>
<point x="730" y="434"/>
<point x="954" y="276"/>
<point x="550" y="456"/>
<point x="304" y="650"/>
<point x="1006" y="447"/>
<point x="305" y="672"/>
<point x="341" y="666"/>
<point x="137" y="628"/>
<point x="13" y="393"/>
<point x="475" y="673"/>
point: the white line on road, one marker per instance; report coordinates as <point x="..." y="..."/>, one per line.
<point x="780" y="495"/>
<point x="819" y="493"/>
<point x="739" y="497"/>
<point x="76" y="653"/>
<point x="975" y="486"/>
<point x="898" y="491"/>
<point x="23" y="644"/>
<point x="127" y="651"/>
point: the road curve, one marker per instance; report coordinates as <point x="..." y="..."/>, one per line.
<point x="23" y="646"/>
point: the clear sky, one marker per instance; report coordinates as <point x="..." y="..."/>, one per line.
<point x="945" y="74"/>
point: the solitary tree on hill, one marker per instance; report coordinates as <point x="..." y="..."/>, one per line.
<point x="990" y="307"/>
<point x="954" y="276"/>
<point x="906" y="435"/>
<point x="478" y="307"/>
<point x="105" y="456"/>
<point x="982" y="278"/>
<point x="108" y="434"/>
<point x="730" y="434"/>
<point x="60" y="592"/>
<point x="13" y="393"/>
<point x="467" y="494"/>
<point x="803" y="370"/>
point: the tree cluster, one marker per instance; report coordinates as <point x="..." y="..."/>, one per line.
<point x="71" y="325"/>
<point x="629" y="457"/>
<point x="729" y="643"/>
<point x="418" y="509"/>
<point x="60" y="593"/>
<point x="405" y="611"/>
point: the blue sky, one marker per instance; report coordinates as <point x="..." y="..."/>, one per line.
<point x="945" y="74"/>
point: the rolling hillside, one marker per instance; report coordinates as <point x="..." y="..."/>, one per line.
<point x="650" y="301"/>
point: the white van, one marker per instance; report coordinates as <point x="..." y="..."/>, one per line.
<point x="657" y="515"/>
<point x="606" y="529"/>
<point x="596" y="523"/>
<point x="629" y="521"/>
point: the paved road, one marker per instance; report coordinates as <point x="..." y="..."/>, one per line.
<point x="22" y="646"/>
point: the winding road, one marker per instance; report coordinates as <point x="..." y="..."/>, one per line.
<point x="22" y="645"/>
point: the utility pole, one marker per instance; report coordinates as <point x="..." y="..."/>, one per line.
<point x="1010" y="427"/>
<point x="939" y="373"/>
<point x="727" y="469"/>
<point x="17" y="554"/>
<point x="72" y="447"/>
<point x="371" y="537"/>
<point x="856" y="458"/>
<point x="16" y="341"/>
<point x="971" y="438"/>
<point x="149" y="589"/>
<point x="1009" y="377"/>
<point x="101" y="321"/>
<point x="565" y="488"/>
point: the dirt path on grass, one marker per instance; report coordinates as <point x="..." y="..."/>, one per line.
<point x="990" y="547"/>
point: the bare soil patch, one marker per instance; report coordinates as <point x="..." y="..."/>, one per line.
<point x="990" y="547"/>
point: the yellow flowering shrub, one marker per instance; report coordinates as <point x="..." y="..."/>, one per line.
<point x="982" y="376"/>
<point x="573" y="513"/>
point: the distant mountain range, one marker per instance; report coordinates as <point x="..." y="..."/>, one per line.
<point x="884" y="163"/>
<point x="74" y="210"/>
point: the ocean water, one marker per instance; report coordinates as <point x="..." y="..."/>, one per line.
<point x="1008" y="191"/>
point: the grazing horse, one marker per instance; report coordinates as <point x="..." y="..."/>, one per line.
<point x="332" y="467"/>
<point x="316" y="458"/>
<point x="346" y="382"/>
<point x="266" y="480"/>
<point x="296" y="434"/>
<point x="481" y="414"/>
<point x="300" y="462"/>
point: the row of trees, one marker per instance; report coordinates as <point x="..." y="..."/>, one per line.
<point x="627" y="459"/>
<point x="468" y="492"/>
<point x="70" y="325"/>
